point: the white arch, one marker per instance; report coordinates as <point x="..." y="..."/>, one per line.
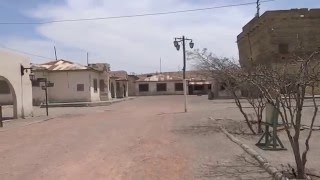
<point x="10" y="70"/>
<point x="13" y="95"/>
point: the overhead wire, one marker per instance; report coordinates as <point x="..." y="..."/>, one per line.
<point x="117" y="17"/>
<point x="134" y="15"/>
<point x="27" y="53"/>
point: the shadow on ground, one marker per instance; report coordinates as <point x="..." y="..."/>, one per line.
<point x="239" y="167"/>
<point x="207" y="128"/>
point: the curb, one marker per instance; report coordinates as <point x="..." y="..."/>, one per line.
<point x="28" y="124"/>
<point x="262" y="161"/>
<point x="86" y="104"/>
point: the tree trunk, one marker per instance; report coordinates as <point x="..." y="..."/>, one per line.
<point x="259" y="127"/>
<point x="260" y="120"/>
<point x="299" y="164"/>
<point x="238" y="103"/>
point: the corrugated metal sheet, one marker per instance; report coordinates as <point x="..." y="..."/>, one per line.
<point x="60" y="65"/>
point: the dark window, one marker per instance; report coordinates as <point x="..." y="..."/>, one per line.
<point x="102" y="85"/>
<point x="35" y="83"/>
<point x="95" y="85"/>
<point x="283" y="48"/>
<point x="209" y="86"/>
<point x="143" y="87"/>
<point x="178" y="86"/>
<point x="80" y="87"/>
<point x="4" y="87"/>
<point x="118" y="86"/>
<point x="161" y="87"/>
<point x="198" y="87"/>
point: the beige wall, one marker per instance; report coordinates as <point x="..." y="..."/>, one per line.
<point x="131" y="86"/>
<point x="65" y="86"/>
<point x="20" y="86"/>
<point x="153" y="89"/>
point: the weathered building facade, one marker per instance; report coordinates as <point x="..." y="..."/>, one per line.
<point x="277" y="35"/>
<point x="15" y="84"/>
<point x="72" y="82"/>
<point x="171" y="83"/>
<point x="78" y="83"/>
<point x="119" y="84"/>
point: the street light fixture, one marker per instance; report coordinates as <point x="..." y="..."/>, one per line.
<point x="32" y="76"/>
<point x="177" y="45"/>
<point x="191" y="44"/>
<point x="25" y="70"/>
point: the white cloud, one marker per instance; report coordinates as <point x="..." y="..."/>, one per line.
<point x="134" y="44"/>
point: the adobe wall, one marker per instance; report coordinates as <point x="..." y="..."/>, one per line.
<point x="260" y="39"/>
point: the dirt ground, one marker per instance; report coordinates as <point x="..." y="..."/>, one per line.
<point x="145" y="138"/>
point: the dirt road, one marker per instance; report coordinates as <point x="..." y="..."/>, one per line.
<point x="146" y="138"/>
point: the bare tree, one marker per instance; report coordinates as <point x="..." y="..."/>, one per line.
<point x="230" y="76"/>
<point x="285" y="87"/>
<point x="257" y="101"/>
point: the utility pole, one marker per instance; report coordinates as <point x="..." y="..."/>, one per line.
<point x="160" y="66"/>
<point x="258" y="8"/>
<point x="55" y="52"/>
<point x="184" y="73"/>
<point x="46" y="92"/>
<point x="177" y="45"/>
<point x="1" y="123"/>
<point x="87" y="59"/>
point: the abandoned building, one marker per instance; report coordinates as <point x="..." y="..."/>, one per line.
<point x="15" y="84"/>
<point x="76" y="83"/>
<point x="277" y="35"/>
<point x="171" y="83"/>
<point x="119" y="84"/>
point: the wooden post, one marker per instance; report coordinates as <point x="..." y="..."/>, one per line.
<point x="1" y="124"/>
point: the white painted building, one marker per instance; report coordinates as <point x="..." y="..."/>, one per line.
<point x="170" y="83"/>
<point x="72" y="82"/>
<point x="15" y="87"/>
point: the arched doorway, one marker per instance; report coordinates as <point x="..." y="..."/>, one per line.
<point x="112" y="91"/>
<point x="8" y="99"/>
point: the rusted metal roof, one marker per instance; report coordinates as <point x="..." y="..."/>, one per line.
<point x="119" y="75"/>
<point x="60" y="65"/>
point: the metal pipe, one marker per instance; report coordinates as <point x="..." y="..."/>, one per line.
<point x="184" y="74"/>
<point x="47" y="108"/>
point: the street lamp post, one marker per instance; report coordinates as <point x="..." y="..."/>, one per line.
<point x="176" y="42"/>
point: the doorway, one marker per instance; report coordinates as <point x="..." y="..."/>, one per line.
<point x="8" y="100"/>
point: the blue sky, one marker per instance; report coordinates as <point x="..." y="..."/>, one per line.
<point x="135" y="45"/>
